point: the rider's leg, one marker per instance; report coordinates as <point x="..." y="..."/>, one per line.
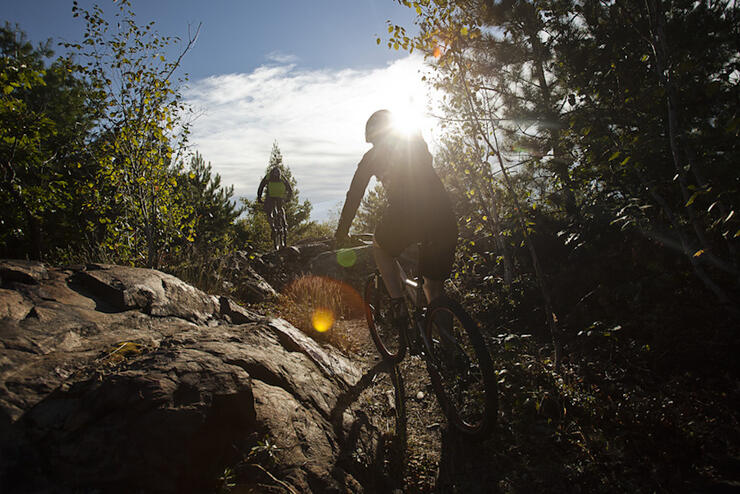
<point x="392" y="278"/>
<point x="268" y="207"/>
<point x="388" y="270"/>
<point x="432" y="288"/>
<point x="284" y="226"/>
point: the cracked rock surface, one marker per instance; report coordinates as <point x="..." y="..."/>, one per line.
<point x="119" y="379"/>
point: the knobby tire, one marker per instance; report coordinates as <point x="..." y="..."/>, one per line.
<point x="462" y="372"/>
<point x="389" y="340"/>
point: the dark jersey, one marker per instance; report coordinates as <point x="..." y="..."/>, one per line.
<point x="415" y="193"/>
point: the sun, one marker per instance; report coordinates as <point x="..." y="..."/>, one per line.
<point x="403" y="89"/>
<point x="408" y="120"/>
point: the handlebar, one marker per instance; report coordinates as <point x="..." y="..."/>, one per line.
<point x="362" y="238"/>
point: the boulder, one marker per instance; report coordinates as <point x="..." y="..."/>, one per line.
<point x="118" y="379"/>
<point x="282" y="266"/>
<point x="245" y="282"/>
<point x="352" y="265"/>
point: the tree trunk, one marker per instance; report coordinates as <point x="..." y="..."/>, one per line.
<point x="561" y="165"/>
<point x="539" y="274"/>
<point x="660" y="50"/>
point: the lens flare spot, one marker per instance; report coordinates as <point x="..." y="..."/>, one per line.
<point x="322" y="320"/>
<point x="346" y="257"/>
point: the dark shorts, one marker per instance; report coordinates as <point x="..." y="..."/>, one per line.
<point x="437" y="235"/>
<point x="271" y="203"/>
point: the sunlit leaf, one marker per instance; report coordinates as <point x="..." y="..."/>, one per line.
<point x="692" y="198"/>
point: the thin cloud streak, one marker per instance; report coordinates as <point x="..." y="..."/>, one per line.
<point x="317" y="117"/>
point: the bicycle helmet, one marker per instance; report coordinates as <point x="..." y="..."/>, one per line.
<point x="378" y="125"/>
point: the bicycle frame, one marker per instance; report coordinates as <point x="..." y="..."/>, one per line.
<point x="414" y="292"/>
<point x="458" y="363"/>
<point x="277" y="227"/>
<point x="413" y="288"/>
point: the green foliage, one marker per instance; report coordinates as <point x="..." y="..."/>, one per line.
<point x="142" y="129"/>
<point x="213" y="210"/>
<point x="255" y="228"/>
<point x="46" y="117"/>
<point x="578" y="117"/>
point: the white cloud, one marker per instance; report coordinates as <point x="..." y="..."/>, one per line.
<point x="317" y="116"/>
<point x="279" y="57"/>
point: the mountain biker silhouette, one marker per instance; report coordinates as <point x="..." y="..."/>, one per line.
<point x="419" y="209"/>
<point x="278" y="191"/>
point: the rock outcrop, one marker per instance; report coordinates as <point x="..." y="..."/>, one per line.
<point x="279" y="268"/>
<point x="117" y="379"/>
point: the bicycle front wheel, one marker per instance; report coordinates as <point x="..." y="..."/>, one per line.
<point x="388" y="339"/>
<point x="460" y="368"/>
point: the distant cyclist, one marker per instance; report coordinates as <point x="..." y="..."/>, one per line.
<point x="419" y="209"/>
<point x="278" y="191"/>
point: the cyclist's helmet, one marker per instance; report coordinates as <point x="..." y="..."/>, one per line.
<point x="275" y="173"/>
<point x="378" y="125"/>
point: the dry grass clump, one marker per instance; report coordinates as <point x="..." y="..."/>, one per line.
<point x="315" y="305"/>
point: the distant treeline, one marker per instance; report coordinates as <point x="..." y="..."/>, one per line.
<point x="94" y="155"/>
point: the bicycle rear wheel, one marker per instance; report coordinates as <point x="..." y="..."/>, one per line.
<point x="389" y="340"/>
<point x="460" y="368"/>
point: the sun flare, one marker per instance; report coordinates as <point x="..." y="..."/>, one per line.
<point x="322" y="319"/>
<point x="408" y="97"/>
<point x="408" y="121"/>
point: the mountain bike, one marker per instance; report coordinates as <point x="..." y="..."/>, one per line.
<point x="457" y="360"/>
<point x="278" y="228"/>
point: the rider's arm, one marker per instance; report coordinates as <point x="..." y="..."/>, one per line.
<point x="261" y="188"/>
<point x="354" y="195"/>
<point x="288" y="190"/>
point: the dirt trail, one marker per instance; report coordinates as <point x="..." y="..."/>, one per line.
<point x="414" y="425"/>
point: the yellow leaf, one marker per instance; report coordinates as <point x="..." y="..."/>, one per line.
<point x="464" y="31"/>
<point x="692" y="199"/>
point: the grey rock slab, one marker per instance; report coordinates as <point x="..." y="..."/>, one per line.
<point x="148" y="290"/>
<point x="116" y="379"/>
<point x="29" y="272"/>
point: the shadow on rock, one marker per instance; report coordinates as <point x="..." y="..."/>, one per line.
<point x="387" y="453"/>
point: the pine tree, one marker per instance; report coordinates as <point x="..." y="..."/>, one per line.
<point x="255" y="230"/>
<point x="296" y="214"/>
<point x="213" y="210"/>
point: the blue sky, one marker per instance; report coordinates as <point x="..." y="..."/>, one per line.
<point x="306" y="73"/>
<point x="236" y="35"/>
